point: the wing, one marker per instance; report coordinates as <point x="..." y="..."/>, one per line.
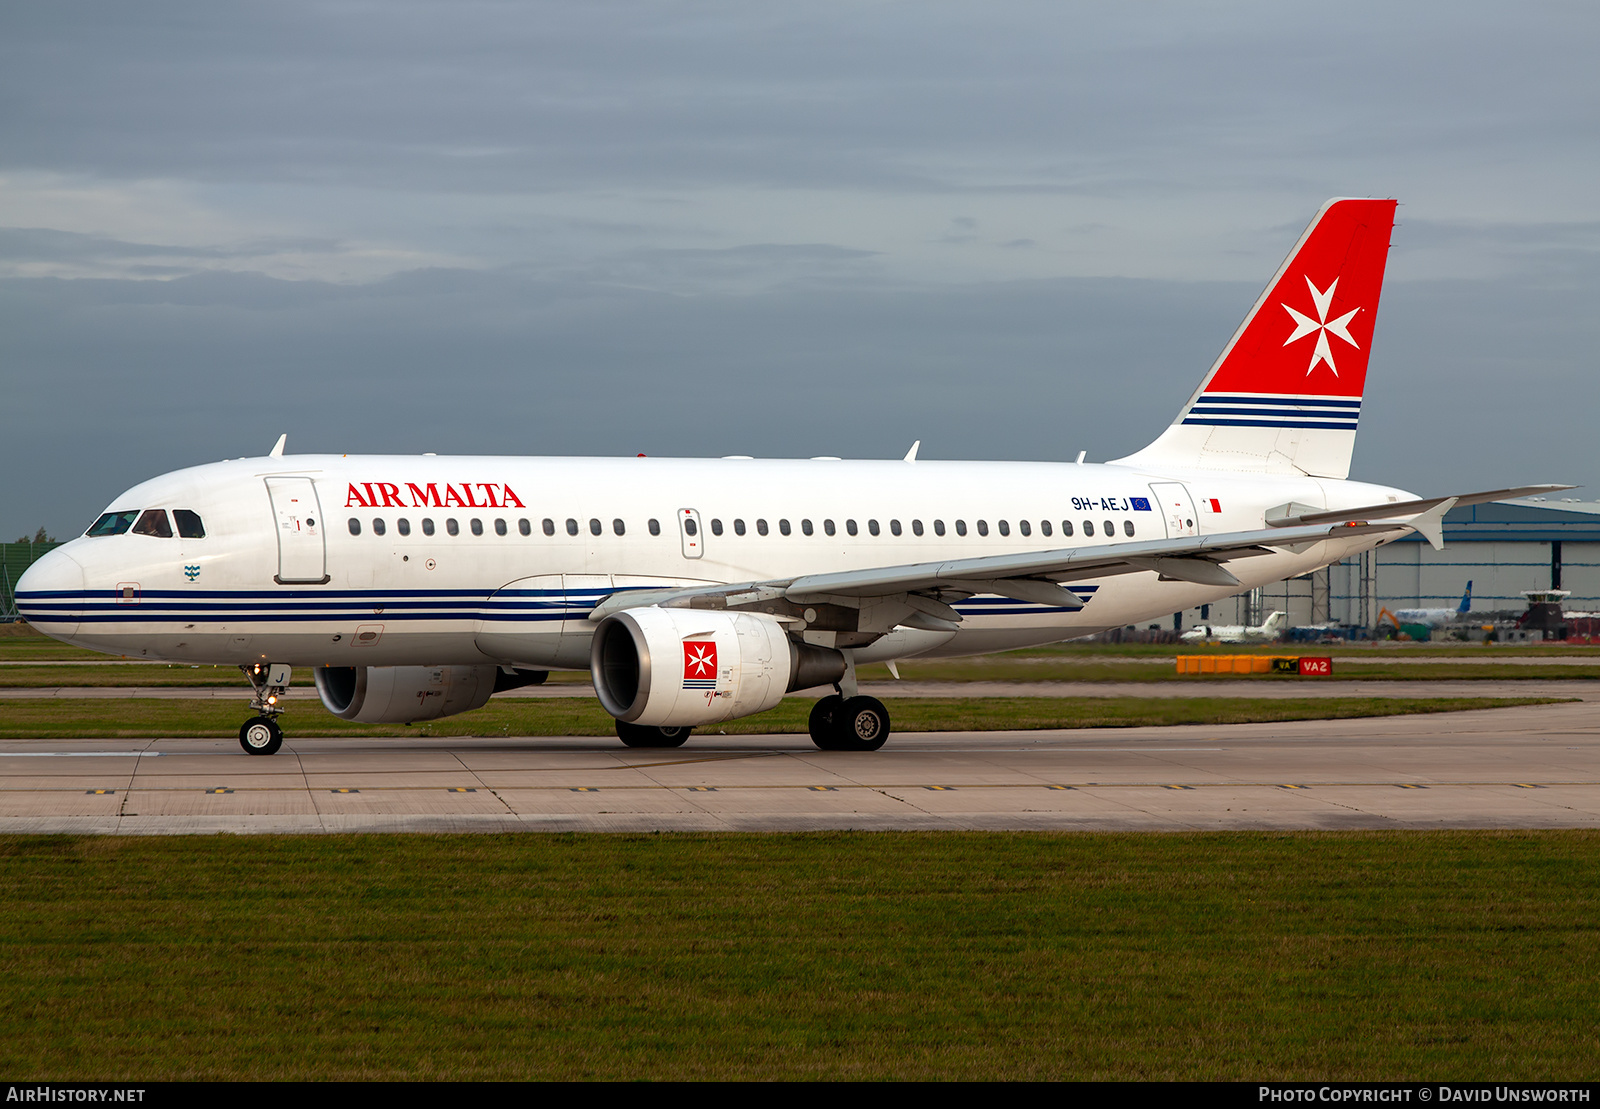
<point x="915" y="595"/>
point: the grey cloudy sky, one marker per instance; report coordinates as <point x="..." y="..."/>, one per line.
<point x="1012" y="230"/>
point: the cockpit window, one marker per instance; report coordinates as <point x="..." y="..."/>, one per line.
<point x="112" y="523"/>
<point x="154" y="522"/>
<point x="189" y="525"/>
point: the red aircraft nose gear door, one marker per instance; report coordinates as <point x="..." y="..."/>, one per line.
<point x="302" y="556"/>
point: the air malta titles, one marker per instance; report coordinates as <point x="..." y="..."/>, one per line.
<point x="385" y="494"/>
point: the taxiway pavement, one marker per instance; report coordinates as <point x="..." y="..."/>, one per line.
<point x="1536" y="767"/>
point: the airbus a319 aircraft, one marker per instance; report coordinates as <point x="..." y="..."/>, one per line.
<point x="697" y="591"/>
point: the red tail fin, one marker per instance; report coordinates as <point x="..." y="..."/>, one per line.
<point x="1285" y="396"/>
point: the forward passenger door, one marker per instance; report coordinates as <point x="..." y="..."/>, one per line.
<point x="302" y="554"/>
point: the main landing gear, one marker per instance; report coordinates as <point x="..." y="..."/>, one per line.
<point x="841" y="723"/>
<point x="847" y="721"/>
<point x="642" y="735"/>
<point x="262" y="736"/>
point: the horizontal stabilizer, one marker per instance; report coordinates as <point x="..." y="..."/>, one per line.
<point x="1282" y="518"/>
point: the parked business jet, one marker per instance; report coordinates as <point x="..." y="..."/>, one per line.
<point x="697" y="591"/>
<point x="1269" y="629"/>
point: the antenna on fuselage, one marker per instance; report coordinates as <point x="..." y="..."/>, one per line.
<point x="911" y="455"/>
<point x="277" y="448"/>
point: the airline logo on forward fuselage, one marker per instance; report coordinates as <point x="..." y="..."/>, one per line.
<point x="466" y="494"/>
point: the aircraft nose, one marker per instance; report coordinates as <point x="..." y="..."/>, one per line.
<point x="50" y="594"/>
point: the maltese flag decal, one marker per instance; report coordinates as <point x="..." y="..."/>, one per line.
<point x="700" y="664"/>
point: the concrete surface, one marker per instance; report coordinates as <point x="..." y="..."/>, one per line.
<point x="1505" y="768"/>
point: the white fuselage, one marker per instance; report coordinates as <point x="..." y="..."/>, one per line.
<point x="285" y="579"/>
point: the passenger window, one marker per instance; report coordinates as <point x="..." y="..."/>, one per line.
<point x="594" y="526"/>
<point x="805" y="526"/>
<point x="655" y="527"/>
<point x="1005" y="527"/>
<point x="761" y="527"/>
<point x="938" y="527"/>
<point x="850" y="526"/>
<point x="1066" y="528"/>
<point x="154" y="523"/>
<point x="618" y="527"/>
<point x="451" y="526"/>
<point x="872" y="527"/>
<point x="738" y="527"/>
<point x="523" y="527"/>
<point x="827" y="526"/>
<point x="783" y="527"/>
<point x="690" y="528"/>
<point x="1088" y="528"/>
<point x="572" y="526"/>
<point x="427" y="526"/>
<point x="499" y="527"/>
<point x="894" y="527"/>
<point x="1127" y="528"/>
<point x="355" y="526"/>
<point x="403" y="526"/>
<point x="1024" y="527"/>
<point x="961" y="527"/>
<point x="377" y="526"/>
<point x="548" y="526"/>
<point x="477" y="526"/>
<point x="1111" y="529"/>
<point x="716" y="527"/>
<point x="1044" y="527"/>
<point x="112" y="523"/>
<point x="916" y="527"/>
<point x="983" y="527"/>
<point x="189" y="525"/>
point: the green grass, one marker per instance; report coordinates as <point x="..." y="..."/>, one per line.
<point x="1393" y="956"/>
<point x="159" y="718"/>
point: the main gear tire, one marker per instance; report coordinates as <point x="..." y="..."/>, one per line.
<point x="823" y="725"/>
<point x="861" y="724"/>
<point x="643" y="735"/>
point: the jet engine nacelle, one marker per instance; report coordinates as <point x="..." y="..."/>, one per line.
<point x="402" y="694"/>
<point x="682" y="667"/>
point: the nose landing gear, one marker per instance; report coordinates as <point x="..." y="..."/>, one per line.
<point x="262" y="736"/>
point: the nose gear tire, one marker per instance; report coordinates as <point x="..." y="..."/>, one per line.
<point x="261" y="736"/>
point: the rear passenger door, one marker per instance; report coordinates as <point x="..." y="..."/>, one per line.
<point x="1177" y="508"/>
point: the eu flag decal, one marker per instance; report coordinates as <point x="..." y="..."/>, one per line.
<point x="1140" y="504"/>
